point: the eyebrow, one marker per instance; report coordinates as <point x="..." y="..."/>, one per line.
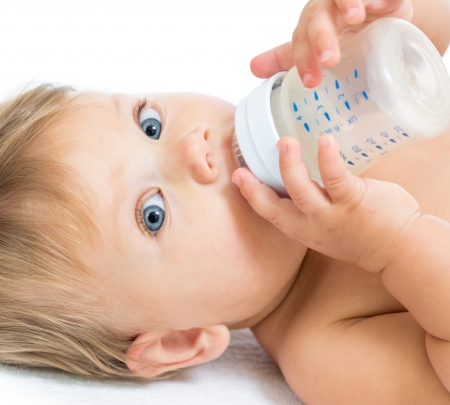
<point x="118" y="195"/>
<point x="116" y="103"/>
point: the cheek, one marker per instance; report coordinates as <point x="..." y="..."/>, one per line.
<point x="227" y="230"/>
<point x="219" y="239"/>
<point x="215" y="248"/>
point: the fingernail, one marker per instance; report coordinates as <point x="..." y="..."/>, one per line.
<point x="306" y="78"/>
<point x="325" y="55"/>
<point x="324" y="141"/>
<point x="236" y="180"/>
<point x="282" y="147"/>
<point x="350" y="11"/>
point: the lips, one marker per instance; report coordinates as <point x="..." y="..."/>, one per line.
<point x="220" y="154"/>
<point x="209" y="160"/>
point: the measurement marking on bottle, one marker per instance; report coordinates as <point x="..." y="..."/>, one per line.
<point x="336" y="83"/>
<point x="351" y="120"/>
<point x="405" y="135"/>
<point x="317" y="121"/>
<point x="355" y="73"/>
<point x="393" y="140"/>
<point x="327" y="116"/>
<point x="385" y="143"/>
<point x="306" y="126"/>
<point x="305" y="101"/>
<point x="347" y="105"/>
<point x="300" y="117"/>
<point x="316" y="96"/>
<point x="351" y="163"/>
<point x="346" y="79"/>
<point x="379" y="147"/>
<point x="372" y="150"/>
<point x="356" y="158"/>
<point x="295" y="107"/>
<point x="326" y="90"/>
<point x="364" y="154"/>
<point x="338" y="111"/>
<point x="365" y="95"/>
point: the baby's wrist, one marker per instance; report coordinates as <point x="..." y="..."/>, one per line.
<point x="397" y="246"/>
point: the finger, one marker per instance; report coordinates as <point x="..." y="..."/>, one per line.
<point x="280" y="212"/>
<point x="352" y="11"/>
<point x="341" y="185"/>
<point x="388" y="8"/>
<point x="304" y="54"/>
<point x="305" y="193"/>
<point x="273" y="61"/>
<point x="324" y="23"/>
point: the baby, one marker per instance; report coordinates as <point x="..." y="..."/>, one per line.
<point x="126" y="251"/>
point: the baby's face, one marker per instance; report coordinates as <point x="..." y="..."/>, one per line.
<point x="179" y="244"/>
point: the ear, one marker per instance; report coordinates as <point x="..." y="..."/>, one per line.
<point x="166" y="351"/>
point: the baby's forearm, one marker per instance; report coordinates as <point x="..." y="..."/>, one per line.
<point x="432" y="17"/>
<point x="419" y="274"/>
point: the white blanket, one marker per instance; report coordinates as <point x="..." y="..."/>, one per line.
<point x="244" y="374"/>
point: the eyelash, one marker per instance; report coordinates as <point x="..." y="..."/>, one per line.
<point x="140" y="218"/>
<point x="138" y="108"/>
<point x="140" y="207"/>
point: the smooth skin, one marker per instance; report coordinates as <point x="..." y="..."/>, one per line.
<point x="367" y="319"/>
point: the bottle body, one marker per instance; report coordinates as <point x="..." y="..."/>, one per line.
<point x="391" y="89"/>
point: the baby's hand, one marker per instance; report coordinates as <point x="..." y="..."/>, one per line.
<point x="353" y="219"/>
<point x="315" y="39"/>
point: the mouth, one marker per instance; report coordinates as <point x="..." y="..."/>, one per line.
<point x="210" y="161"/>
<point x="230" y="144"/>
<point x="221" y="156"/>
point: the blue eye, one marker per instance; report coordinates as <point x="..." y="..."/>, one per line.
<point x="150" y="123"/>
<point x="153" y="213"/>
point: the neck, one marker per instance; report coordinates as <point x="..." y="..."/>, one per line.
<point x="268" y="310"/>
<point x="273" y="328"/>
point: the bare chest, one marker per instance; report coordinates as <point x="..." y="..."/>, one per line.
<point x="424" y="171"/>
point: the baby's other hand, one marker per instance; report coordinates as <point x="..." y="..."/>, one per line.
<point x="353" y="219"/>
<point x="315" y="39"/>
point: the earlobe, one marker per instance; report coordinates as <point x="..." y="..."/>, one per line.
<point x="171" y="350"/>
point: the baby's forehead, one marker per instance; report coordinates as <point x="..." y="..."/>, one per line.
<point x="80" y="139"/>
<point x="97" y="99"/>
<point x="89" y="109"/>
<point x="84" y="138"/>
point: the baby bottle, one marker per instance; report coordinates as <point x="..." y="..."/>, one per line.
<point x="391" y="89"/>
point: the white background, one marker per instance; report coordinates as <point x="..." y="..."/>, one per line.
<point x="141" y="45"/>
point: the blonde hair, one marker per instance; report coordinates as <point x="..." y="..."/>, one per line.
<point x="49" y="315"/>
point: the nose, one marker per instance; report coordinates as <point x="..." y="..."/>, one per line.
<point x="195" y="155"/>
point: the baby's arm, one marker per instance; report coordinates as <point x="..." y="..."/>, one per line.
<point x="418" y="275"/>
<point x="374" y="224"/>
